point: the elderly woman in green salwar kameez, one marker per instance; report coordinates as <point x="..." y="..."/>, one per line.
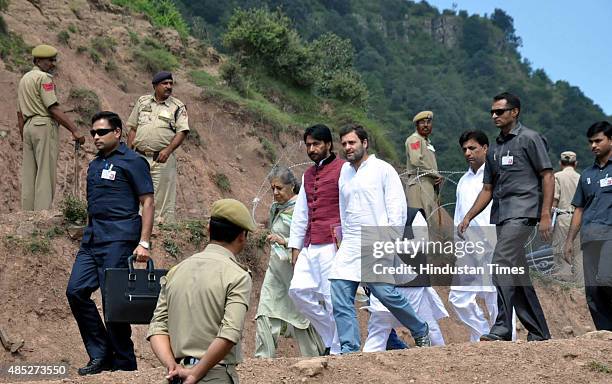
<point x="276" y="314"/>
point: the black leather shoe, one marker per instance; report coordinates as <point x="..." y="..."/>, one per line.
<point x="491" y="337"/>
<point x="94" y="366"/>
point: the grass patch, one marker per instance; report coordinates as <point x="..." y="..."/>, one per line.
<point x="134" y="38"/>
<point x="171" y="248"/>
<point x="161" y="13"/>
<point x="95" y="56"/>
<point x="63" y="37"/>
<point x="203" y="79"/>
<point x="596" y="366"/>
<point x="37" y="243"/>
<point x="72" y="28"/>
<point x="14" y="52"/>
<point x="111" y="66"/>
<point x="197" y="232"/>
<point x="104" y="45"/>
<point x="222" y="182"/>
<point x="74" y="210"/>
<point x="87" y="104"/>
<point x="155" y="59"/>
<point x="268" y="148"/>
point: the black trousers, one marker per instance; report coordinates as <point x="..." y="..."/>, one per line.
<point x="597" y="262"/>
<point x="111" y="341"/>
<point x="515" y="291"/>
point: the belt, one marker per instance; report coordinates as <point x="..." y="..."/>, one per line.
<point x="190" y="360"/>
<point x="152" y="154"/>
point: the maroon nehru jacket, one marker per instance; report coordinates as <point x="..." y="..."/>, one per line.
<point x="321" y="186"/>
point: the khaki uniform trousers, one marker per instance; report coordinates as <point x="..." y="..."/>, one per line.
<point x="39" y="166"/>
<point x="219" y="374"/>
<point x="164" y="187"/>
<point x="269" y="329"/>
<point x="421" y="194"/>
<point x="573" y="273"/>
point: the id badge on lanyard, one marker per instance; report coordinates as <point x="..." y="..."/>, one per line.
<point x="109" y="174"/>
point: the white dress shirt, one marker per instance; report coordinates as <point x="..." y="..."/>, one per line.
<point x="372" y="195"/>
<point x="299" y="222"/>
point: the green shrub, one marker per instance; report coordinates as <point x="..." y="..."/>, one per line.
<point x="63" y="37"/>
<point x="197" y="232"/>
<point x="14" y="52"/>
<point x="234" y="77"/>
<point x="134" y="39"/>
<point x="72" y="28"/>
<point x="269" y="149"/>
<point x="86" y="103"/>
<point x="111" y="66"/>
<point x="74" y="210"/>
<point x="171" y="248"/>
<point x="161" y="13"/>
<point x="222" y="182"/>
<point x="155" y="59"/>
<point x="81" y="49"/>
<point x="95" y="56"/>
<point x="203" y="79"/>
<point x="104" y="45"/>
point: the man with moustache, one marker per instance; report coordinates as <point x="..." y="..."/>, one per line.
<point x="518" y="178"/>
<point x="421" y="166"/>
<point x="465" y="291"/>
<point x="118" y="183"/>
<point x="158" y="125"/>
<point x="371" y="194"/>
<point x="38" y="116"/>
<point x="315" y="217"/>
<point x="593" y="218"/>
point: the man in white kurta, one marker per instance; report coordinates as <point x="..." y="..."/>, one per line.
<point x="463" y="295"/>
<point x="425" y="301"/>
<point x="371" y="194"/>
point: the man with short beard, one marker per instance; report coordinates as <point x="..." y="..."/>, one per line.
<point x="158" y="126"/>
<point x="593" y="218"/>
<point x="315" y="217"/>
<point x="371" y="195"/>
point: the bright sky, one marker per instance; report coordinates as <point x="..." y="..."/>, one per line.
<point x="571" y="40"/>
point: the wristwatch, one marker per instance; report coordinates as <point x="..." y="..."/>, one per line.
<point x="144" y="244"/>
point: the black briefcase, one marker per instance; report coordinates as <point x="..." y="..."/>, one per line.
<point x="130" y="294"/>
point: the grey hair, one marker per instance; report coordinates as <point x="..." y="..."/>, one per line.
<point x="286" y="177"/>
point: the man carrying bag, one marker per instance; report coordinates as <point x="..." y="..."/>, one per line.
<point x="118" y="182"/>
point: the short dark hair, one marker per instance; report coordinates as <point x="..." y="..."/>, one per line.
<point x="512" y="100"/>
<point x="565" y="162"/>
<point x="360" y="131"/>
<point x="113" y="119"/>
<point x="600" y="126"/>
<point x="224" y="230"/>
<point x="479" y="136"/>
<point x="319" y="132"/>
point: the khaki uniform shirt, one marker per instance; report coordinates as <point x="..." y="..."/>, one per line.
<point x="36" y="93"/>
<point x="157" y="123"/>
<point x="204" y="297"/>
<point x="566" y="181"/>
<point x="420" y="156"/>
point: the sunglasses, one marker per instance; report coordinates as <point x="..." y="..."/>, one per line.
<point x="500" y="111"/>
<point x="101" y="132"/>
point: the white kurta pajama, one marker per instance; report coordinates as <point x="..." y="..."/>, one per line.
<point x="425" y="301"/>
<point x="463" y="297"/>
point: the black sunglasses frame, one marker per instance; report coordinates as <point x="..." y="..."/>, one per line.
<point x="101" y="132"/>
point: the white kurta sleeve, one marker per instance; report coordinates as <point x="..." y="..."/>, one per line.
<point x="394" y="197"/>
<point x="299" y="223"/>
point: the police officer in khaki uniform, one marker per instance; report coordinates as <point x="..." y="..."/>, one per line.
<point x="38" y="116"/>
<point x="158" y="125"/>
<point x="421" y="166"/>
<point x="197" y="325"/>
<point x="566" y="181"/>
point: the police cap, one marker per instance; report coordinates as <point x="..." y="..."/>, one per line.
<point x="161" y="76"/>
<point x="44" y="51"/>
<point x="235" y="212"/>
<point x="422" y="115"/>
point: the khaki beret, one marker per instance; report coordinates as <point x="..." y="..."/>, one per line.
<point x="235" y="212"/>
<point x="422" y="115"/>
<point x="44" y="51"/>
<point x="568" y="156"/>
